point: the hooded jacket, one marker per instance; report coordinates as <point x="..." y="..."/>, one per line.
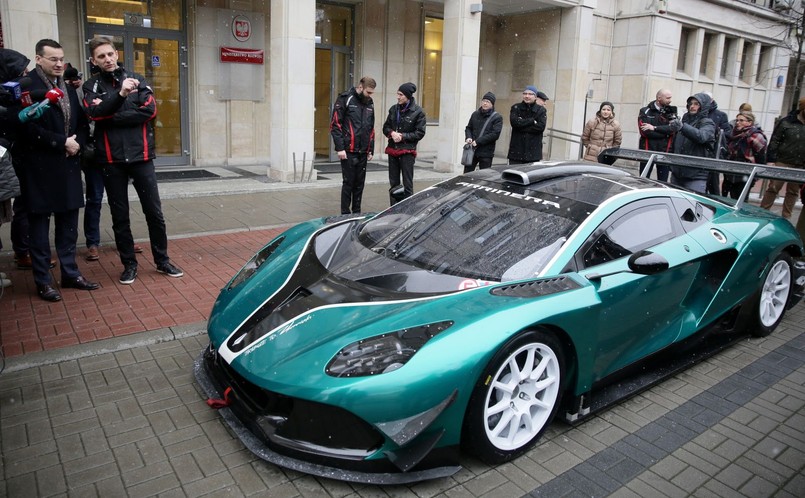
<point x="787" y="144"/>
<point x="124" y="129"/>
<point x="486" y="142"/>
<point x="696" y="138"/>
<point x="353" y="123"/>
<point x="12" y="65"/>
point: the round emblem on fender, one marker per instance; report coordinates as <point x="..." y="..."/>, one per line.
<point x="241" y="28"/>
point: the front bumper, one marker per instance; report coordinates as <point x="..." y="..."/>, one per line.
<point x="346" y="465"/>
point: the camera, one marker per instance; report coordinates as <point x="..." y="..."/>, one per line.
<point x="669" y="112"/>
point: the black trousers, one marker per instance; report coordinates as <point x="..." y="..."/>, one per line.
<point x="480" y="162"/>
<point x="402" y="165"/>
<point x="353" y="178"/>
<point x="116" y="180"/>
<point x="65" y="237"/>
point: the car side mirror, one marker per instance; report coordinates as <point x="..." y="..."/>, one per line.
<point x="641" y="263"/>
<point x="647" y="263"/>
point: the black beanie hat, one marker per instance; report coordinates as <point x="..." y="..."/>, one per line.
<point x="606" y="102"/>
<point x="490" y="97"/>
<point x="407" y="89"/>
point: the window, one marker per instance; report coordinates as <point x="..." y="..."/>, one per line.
<point x="728" y="58"/>
<point x="764" y="65"/>
<point x="631" y="232"/>
<point x="745" y="71"/>
<point x="707" y="64"/>
<point x="687" y="44"/>
<point x="432" y="68"/>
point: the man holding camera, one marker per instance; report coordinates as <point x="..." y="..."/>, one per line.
<point x="123" y="108"/>
<point x="656" y="132"/>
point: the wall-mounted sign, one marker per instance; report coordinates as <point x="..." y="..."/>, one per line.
<point x="241" y="28"/>
<point x="155" y="61"/>
<point x="242" y="55"/>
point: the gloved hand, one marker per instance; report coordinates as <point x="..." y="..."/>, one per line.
<point x="24" y="117"/>
<point x="675" y="125"/>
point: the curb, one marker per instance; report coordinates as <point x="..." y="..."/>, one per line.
<point x="112" y="345"/>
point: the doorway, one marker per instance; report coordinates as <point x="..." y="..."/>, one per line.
<point x="334" y="70"/>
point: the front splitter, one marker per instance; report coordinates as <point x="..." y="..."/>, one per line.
<point x="259" y="448"/>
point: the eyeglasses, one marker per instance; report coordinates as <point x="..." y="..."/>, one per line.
<point x="54" y="59"/>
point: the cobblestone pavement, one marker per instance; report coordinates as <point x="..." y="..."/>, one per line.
<point x="133" y="423"/>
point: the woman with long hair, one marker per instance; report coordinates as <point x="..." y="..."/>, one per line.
<point x="747" y="144"/>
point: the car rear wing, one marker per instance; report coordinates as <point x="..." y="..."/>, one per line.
<point x="753" y="171"/>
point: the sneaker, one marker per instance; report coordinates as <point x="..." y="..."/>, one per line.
<point x="170" y="270"/>
<point x="92" y="254"/>
<point x="138" y="248"/>
<point x="129" y="275"/>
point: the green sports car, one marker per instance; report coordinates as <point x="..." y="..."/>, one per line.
<point x="374" y="348"/>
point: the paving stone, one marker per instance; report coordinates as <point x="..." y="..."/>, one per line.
<point x="156" y="486"/>
<point x="208" y="484"/>
<point x="758" y="486"/>
<point x="50" y="481"/>
<point x="734" y="476"/>
<point x="128" y="457"/>
<point x="186" y="468"/>
<point x="139" y="475"/>
<point x="151" y="450"/>
<point x="132" y="436"/>
<point x="690" y="479"/>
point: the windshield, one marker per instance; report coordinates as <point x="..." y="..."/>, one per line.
<point x="474" y="230"/>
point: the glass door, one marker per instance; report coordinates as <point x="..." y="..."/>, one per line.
<point x="332" y="78"/>
<point x="161" y="59"/>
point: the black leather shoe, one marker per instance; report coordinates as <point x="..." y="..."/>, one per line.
<point x="79" y="283"/>
<point x="48" y="293"/>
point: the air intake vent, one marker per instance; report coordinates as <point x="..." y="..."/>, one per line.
<point x="537" y="288"/>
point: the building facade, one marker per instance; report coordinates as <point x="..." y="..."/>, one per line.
<point x="245" y="82"/>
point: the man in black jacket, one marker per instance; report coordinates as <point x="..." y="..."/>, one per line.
<point x="528" y="119"/>
<point x="485" y="120"/>
<point x="655" y="132"/>
<point x="404" y="127"/>
<point x="353" y="132"/>
<point x="50" y="175"/>
<point x="123" y="108"/>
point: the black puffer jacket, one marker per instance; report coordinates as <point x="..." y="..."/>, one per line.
<point x="410" y="121"/>
<point x="528" y="122"/>
<point x="486" y="142"/>
<point x="787" y="144"/>
<point x="696" y="138"/>
<point x="124" y="130"/>
<point x="353" y="124"/>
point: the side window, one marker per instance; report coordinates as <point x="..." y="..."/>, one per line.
<point x="638" y="229"/>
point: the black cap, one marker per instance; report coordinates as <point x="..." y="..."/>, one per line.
<point x="490" y="97"/>
<point x="407" y="89"/>
<point x="71" y="73"/>
<point x="542" y="96"/>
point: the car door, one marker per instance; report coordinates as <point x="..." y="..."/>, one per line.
<point x="638" y="314"/>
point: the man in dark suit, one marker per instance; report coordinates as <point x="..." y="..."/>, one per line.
<point x="51" y="179"/>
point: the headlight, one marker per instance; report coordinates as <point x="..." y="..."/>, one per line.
<point x="254" y="263"/>
<point x="383" y="353"/>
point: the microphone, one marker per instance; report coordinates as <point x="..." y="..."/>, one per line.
<point x="51" y="97"/>
<point x="25" y="97"/>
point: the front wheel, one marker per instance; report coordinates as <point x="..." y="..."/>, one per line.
<point x="773" y="296"/>
<point x="515" y="399"/>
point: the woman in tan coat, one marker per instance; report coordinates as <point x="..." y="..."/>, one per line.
<point x="601" y="132"/>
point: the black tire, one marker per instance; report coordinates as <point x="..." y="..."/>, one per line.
<point x="499" y="400"/>
<point x="772" y="296"/>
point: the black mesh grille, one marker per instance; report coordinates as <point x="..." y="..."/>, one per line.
<point x="536" y="288"/>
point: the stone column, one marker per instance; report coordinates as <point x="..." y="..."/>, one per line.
<point x="572" y="82"/>
<point x="462" y="33"/>
<point x="25" y="23"/>
<point x="292" y="68"/>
